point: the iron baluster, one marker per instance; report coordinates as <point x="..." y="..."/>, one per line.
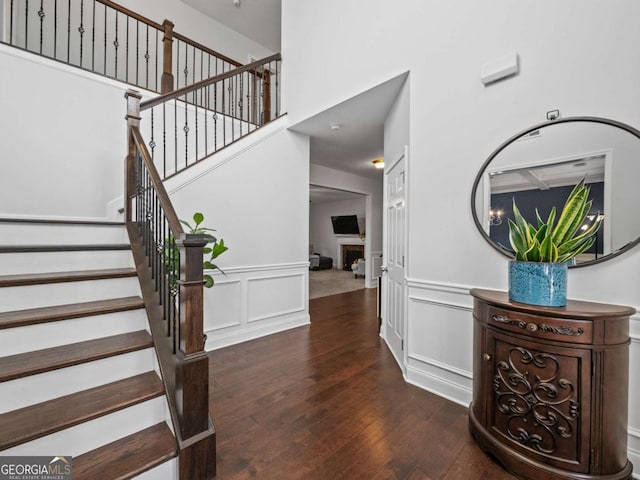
<point x="41" y="15"/>
<point x="116" y="44"/>
<point x="93" y="38"/>
<point x="104" y="56"/>
<point x="81" y="29"/>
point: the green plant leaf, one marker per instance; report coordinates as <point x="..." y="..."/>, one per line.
<point x="572" y="209"/>
<point x="208" y="281"/>
<point x="186" y="224"/>
<point x="219" y="248"/>
<point x="198" y="218"/>
<point x="207" y="250"/>
<point x="517" y="239"/>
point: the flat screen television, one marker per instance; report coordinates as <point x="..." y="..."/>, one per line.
<point x="345" y="225"/>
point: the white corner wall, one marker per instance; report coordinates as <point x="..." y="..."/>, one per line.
<point x="256" y="195"/>
<point x="574" y="56"/>
<point x="321" y="235"/>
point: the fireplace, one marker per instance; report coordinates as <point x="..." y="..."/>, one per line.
<point x="349" y="254"/>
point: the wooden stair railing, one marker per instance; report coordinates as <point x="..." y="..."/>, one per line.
<point x="169" y="266"/>
<point x="110" y="40"/>
<point x="194" y="122"/>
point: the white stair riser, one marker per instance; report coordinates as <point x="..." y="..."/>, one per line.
<point x="26" y="391"/>
<point x="36" y="296"/>
<point x="165" y="471"/>
<point x="88" y="436"/>
<point x="15" y="233"/>
<point x="52" y="334"/>
<point x="43" y="262"/>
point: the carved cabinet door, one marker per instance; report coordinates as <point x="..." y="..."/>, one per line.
<point x="539" y="399"/>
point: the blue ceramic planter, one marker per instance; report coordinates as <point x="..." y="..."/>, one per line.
<point x="543" y="284"/>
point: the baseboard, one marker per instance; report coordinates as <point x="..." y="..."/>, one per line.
<point x="439" y="386"/>
<point x="217" y="339"/>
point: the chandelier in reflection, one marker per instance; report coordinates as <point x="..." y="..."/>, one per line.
<point x="495" y="217"/>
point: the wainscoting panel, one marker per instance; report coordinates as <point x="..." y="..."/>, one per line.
<point x="439" y="340"/>
<point x="634" y="450"/>
<point x="634" y="395"/>
<point x="250" y="302"/>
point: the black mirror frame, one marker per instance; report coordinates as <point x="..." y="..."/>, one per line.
<point x="515" y="137"/>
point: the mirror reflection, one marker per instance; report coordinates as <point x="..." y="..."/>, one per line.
<point x="540" y="167"/>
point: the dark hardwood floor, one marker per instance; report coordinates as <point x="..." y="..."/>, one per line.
<point x="329" y="402"/>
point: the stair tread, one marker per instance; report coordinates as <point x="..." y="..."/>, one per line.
<point x="63" y="248"/>
<point x="53" y="221"/>
<point x="19" y="318"/>
<point x="59" y="277"/>
<point x="39" y="361"/>
<point x="128" y="456"/>
<point x="35" y="421"/>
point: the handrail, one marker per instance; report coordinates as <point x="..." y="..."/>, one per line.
<point x="206" y="82"/>
<point x="210" y="51"/>
<point x="161" y="192"/>
<point x="169" y="263"/>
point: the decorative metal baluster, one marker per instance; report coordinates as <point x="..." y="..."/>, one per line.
<point x="206" y="111"/>
<point x="11" y="23"/>
<point x="186" y="62"/>
<point x="224" y="121"/>
<point x="232" y="106"/>
<point x="137" y="49"/>
<point x="126" y="51"/>
<point x="195" y="100"/>
<point x="185" y="129"/>
<point x="175" y="134"/>
<point x="152" y="143"/>
<point x="277" y="89"/>
<point x="41" y="15"/>
<point x="26" y="25"/>
<point x="81" y="30"/>
<point x="69" y="32"/>
<point x="104" y="71"/>
<point x="215" y="116"/>
<point x="240" y="102"/>
<point x="116" y="44"/>
<point x="93" y="37"/>
<point x="55" y="29"/>
<point x="164" y="140"/>
<point x="177" y="57"/>
<point x="157" y="60"/>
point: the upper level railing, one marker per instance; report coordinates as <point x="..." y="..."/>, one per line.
<point x="170" y="268"/>
<point x="192" y="123"/>
<point x="107" y="39"/>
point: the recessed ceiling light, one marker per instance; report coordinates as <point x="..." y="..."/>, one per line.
<point x="378" y="163"/>
<point x="335" y="126"/>
<point x="236" y="3"/>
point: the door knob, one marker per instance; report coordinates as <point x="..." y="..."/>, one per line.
<point x="384" y="269"/>
<point x="486" y="356"/>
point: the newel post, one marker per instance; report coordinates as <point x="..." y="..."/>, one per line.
<point x="133" y="120"/>
<point x="192" y="378"/>
<point x="166" y="81"/>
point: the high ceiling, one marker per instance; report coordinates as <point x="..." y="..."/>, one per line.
<point x="360" y="137"/>
<point x="258" y="20"/>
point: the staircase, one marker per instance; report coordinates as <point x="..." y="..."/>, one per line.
<point x="78" y="372"/>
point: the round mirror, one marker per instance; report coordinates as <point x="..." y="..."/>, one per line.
<point x="538" y="168"/>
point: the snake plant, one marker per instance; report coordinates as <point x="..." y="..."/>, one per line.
<point x="551" y="241"/>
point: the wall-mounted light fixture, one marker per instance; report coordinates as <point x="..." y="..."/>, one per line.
<point x="495" y="217"/>
<point x="378" y="163"/>
<point x="335" y="126"/>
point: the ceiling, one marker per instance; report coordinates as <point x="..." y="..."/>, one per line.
<point x="258" y="20"/>
<point x="544" y="177"/>
<point x="360" y="138"/>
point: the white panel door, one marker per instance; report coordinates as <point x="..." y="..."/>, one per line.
<point x="394" y="255"/>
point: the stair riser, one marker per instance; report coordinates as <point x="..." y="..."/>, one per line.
<point x="166" y="471"/>
<point x="34" y="389"/>
<point x="35" y="296"/>
<point x="90" y="435"/>
<point x="42" y="262"/>
<point x="52" y="334"/>
<point x="14" y="233"/>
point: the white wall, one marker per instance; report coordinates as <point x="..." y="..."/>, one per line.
<point x="255" y="194"/>
<point x="574" y="56"/>
<point x="321" y="235"/>
<point x="196" y="26"/>
<point x="63" y="139"/>
<point x="372" y="188"/>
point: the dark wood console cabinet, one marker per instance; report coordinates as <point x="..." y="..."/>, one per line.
<point x="550" y="387"/>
